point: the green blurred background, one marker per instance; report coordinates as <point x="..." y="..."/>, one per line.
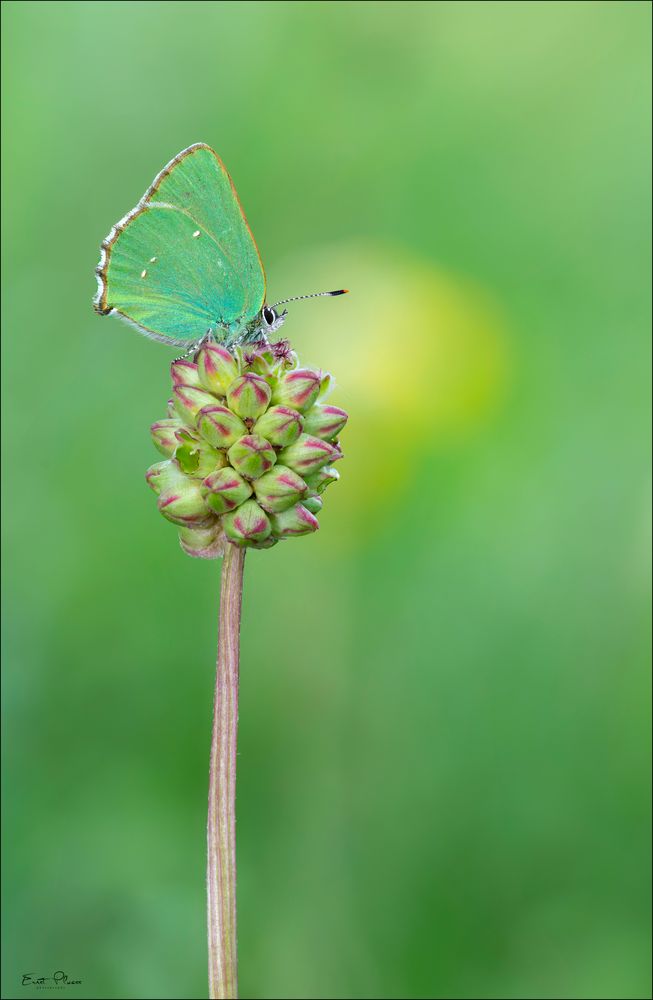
<point x="443" y="776"/>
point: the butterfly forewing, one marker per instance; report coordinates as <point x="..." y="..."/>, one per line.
<point x="184" y="260"/>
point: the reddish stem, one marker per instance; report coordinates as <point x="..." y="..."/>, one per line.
<point x="221" y="826"/>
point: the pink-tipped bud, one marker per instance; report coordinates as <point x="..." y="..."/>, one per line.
<point x="197" y="458"/>
<point x="295" y="521"/>
<point x="165" y="476"/>
<point x="267" y="543"/>
<point x="261" y="360"/>
<point x="326" y="385"/>
<point x="314" y="504"/>
<point x="164" y="435"/>
<point x="279" y="489"/>
<point x="249" y="396"/>
<point x="280" y="425"/>
<point x="325" y="421"/>
<point x="153" y="476"/>
<point x="219" y="426"/>
<point x="252" y="455"/>
<point x="308" y="454"/>
<point x="247" y="524"/>
<point x="203" y="542"/>
<point x="225" y="490"/>
<point x="189" y="401"/>
<point x="298" y="388"/>
<point x="318" y="481"/>
<point x="217" y="368"/>
<point x="184" y="372"/>
<point x="183" y="503"/>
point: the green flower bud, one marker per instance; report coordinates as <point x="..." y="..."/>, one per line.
<point x="197" y="458"/>
<point x="298" y="388"/>
<point x="286" y="355"/>
<point x="209" y="461"/>
<point x="164" y="435"/>
<point x="153" y="476"/>
<point x="249" y="395"/>
<point x="295" y="521"/>
<point x="279" y="489"/>
<point x="262" y="360"/>
<point x="184" y="372"/>
<point x="252" y="455"/>
<point x="314" y="504"/>
<point x="308" y="454"/>
<point x="318" y="481"/>
<point x="219" y="426"/>
<point x="217" y="368"/>
<point x="280" y="425"/>
<point x="165" y="476"/>
<point x="184" y="503"/>
<point x="225" y="490"/>
<point x="267" y="543"/>
<point x="189" y="401"/>
<point x="325" y="422"/>
<point x="326" y="385"/>
<point x="247" y="524"/>
<point x="203" y="542"/>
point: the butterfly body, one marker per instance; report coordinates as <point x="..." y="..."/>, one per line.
<point x="183" y="264"/>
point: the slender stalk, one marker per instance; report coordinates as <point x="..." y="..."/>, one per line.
<point x="221" y="826"/>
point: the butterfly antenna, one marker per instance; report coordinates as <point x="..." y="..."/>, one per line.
<point x="313" y="295"/>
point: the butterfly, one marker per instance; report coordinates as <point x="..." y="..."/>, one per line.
<point x="183" y="266"/>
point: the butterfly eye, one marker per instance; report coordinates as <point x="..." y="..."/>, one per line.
<point x="269" y="315"/>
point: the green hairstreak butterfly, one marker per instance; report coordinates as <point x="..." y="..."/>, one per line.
<point x="183" y="265"/>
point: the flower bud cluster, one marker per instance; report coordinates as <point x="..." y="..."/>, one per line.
<point x="249" y="447"/>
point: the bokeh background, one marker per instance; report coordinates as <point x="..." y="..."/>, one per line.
<point x="443" y="771"/>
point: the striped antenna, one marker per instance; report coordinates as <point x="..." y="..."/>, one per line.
<point x="313" y="295"/>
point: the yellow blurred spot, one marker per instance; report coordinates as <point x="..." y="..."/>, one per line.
<point x="419" y="356"/>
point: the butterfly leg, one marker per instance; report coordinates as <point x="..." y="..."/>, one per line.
<point x="189" y="353"/>
<point x="194" y="348"/>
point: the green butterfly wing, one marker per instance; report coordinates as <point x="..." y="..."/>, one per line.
<point x="184" y="260"/>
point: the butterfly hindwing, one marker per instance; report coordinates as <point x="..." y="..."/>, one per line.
<point x="184" y="260"/>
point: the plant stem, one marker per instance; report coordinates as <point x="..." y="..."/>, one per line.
<point x="221" y="826"/>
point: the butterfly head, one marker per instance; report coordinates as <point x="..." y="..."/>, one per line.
<point x="271" y="319"/>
